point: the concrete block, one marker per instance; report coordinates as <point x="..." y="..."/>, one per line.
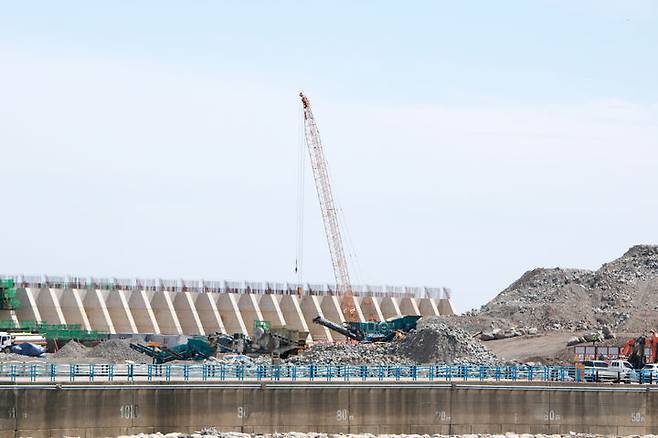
<point x="206" y="305"/>
<point x="162" y="308"/>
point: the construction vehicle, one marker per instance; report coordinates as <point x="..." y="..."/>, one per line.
<point x="329" y="213"/>
<point x="279" y="342"/>
<point x="641" y="350"/>
<point x="371" y="331"/>
<point x="7" y="339"/>
<point x="197" y="348"/>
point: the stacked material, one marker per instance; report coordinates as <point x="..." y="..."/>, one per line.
<point x="349" y="354"/>
<point x="117" y="350"/>
<point x="433" y="342"/>
<point x="620" y="295"/>
<point x="436" y="342"/>
<point x="110" y="351"/>
<point x="72" y="351"/>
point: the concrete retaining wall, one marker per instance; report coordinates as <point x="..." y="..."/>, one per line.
<point x="200" y="313"/>
<point x="110" y="410"/>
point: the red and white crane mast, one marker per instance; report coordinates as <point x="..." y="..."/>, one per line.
<point x="329" y="213"/>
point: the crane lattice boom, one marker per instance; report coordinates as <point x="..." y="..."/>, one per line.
<point x="329" y="214"/>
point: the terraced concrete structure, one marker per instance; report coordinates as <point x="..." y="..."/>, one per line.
<point x="200" y="307"/>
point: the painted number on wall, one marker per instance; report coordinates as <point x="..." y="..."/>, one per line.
<point x="442" y="416"/>
<point x="552" y="416"/>
<point x="636" y="417"/>
<point x="343" y="415"/>
<point x="242" y="412"/>
<point x="128" y="412"/>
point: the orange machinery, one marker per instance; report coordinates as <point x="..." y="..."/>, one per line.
<point x="641" y="350"/>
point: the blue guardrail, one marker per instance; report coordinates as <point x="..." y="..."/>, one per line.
<point x="219" y="372"/>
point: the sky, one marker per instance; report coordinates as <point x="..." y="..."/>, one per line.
<point x="468" y="142"/>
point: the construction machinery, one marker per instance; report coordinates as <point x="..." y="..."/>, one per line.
<point x="641" y="350"/>
<point x="53" y="333"/>
<point x="197" y="348"/>
<point x="329" y="213"/>
<point x="371" y="331"/>
<point x="279" y="342"/>
<point x="9" y="339"/>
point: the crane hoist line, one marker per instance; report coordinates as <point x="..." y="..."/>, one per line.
<point x="329" y="214"/>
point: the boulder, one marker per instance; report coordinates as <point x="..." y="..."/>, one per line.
<point x="593" y="337"/>
<point x="574" y="341"/>
<point x="487" y="336"/>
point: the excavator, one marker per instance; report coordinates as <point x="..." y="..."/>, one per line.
<point x="641" y="350"/>
<point x="367" y="332"/>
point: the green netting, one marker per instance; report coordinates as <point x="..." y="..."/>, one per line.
<point x="8" y="300"/>
<point x="6" y="283"/>
<point x="60" y="332"/>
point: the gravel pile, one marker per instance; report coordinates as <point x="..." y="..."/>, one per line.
<point x="349" y="354"/>
<point x="117" y="350"/>
<point x="110" y="351"/>
<point x="620" y="295"/>
<point x="433" y="341"/>
<point x="72" y="351"/>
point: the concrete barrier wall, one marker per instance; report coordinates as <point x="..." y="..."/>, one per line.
<point x="199" y="313"/>
<point x="111" y="410"/>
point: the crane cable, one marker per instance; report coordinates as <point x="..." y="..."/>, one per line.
<point x="301" y="176"/>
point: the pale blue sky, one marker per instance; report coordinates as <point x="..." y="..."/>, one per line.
<point x="468" y="141"/>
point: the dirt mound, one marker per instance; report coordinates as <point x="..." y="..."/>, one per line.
<point x="117" y="350"/>
<point x="620" y="295"/>
<point x="433" y="342"/>
<point x="110" y="351"/>
<point x="348" y="354"/>
<point x="72" y="350"/>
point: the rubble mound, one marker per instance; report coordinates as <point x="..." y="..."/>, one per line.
<point x="109" y="351"/>
<point x="434" y="341"/>
<point x="72" y="350"/>
<point x="348" y="354"/>
<point x="620" y="295"/>
<point x="117" y="350"/>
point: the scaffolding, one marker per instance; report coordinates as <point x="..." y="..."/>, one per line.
<point x="56" y="332"/>
<point x="8" y="300"/>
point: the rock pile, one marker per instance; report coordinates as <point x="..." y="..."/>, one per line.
<point x="433" y="341"/>
<point x="436" y="342"/>
<point x="71" y="351"/>
<point x="348" y="354"/>
<point x="117" y="350"/>
<point x="620" y="295"/>
<point x="110" y="351"/>
<point x="591" y="337"/>
<point x="513" y="332"/>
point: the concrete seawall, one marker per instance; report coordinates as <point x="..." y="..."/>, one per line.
<point x="199" y="313"/>
<point x="110" y="410"/>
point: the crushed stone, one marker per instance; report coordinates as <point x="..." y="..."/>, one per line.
<point x="72" y="350"/>
<point x="117" y="350"/>
<point x="432" y="342"/>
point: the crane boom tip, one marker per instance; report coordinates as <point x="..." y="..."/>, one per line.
<point x="305" y="100"/>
